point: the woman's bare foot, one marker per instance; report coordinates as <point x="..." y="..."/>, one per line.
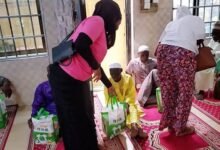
<point x="186" y="131"/>
<point x="171" y="129"/>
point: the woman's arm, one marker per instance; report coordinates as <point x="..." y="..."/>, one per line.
<point x="105" y="79"/>
<point x="82" y="45"/>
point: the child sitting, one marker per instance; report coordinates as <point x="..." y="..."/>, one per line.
<point x="125" y="92"/>
<point x="43" y="99"/>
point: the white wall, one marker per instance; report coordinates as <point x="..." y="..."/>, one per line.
<point x="25" y="74"/>
<point x="149" y="26"/>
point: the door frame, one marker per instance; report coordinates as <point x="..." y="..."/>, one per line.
<point x="128" y="23"/>
<point x="128" y="28"/>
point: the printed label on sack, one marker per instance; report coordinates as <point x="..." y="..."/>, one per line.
<point x="44" y="125"/>
<point x="117" y="116"/>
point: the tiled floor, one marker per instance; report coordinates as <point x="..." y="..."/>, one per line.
<point x="19" y="135"/>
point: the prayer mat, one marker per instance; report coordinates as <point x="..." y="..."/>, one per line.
<point x="205" y="136"/>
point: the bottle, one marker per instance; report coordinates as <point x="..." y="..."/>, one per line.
<point x="159" y="100"/>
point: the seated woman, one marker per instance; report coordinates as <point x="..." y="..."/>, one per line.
<point x="43" y="99"/>
<point x="5" y="86"/>
<point x="125" y="91"/>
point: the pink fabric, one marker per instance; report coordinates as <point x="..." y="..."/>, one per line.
<point x="140" y="70"/>
<point x="151" y="113"/>
<point x="94" y="28"/>
<point x="176" y="71"/>
<point x="189" y="142"/>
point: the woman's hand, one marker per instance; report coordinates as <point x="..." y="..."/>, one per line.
<point x="97" y="75"/>
<point x="111" y="91"/>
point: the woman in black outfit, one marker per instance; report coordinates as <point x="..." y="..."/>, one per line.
<point x="70" y="90"/>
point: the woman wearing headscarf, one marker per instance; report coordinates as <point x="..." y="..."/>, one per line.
<point x="176" y="69"/>
<point x="70" y="83"/>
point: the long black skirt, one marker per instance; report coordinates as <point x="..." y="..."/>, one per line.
<point x="74" y="110"/>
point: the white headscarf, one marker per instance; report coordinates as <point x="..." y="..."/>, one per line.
<point x="182" y="11"/>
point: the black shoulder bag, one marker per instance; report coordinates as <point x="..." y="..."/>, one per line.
<point x="65" y="50"/>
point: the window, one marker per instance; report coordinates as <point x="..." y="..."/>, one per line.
<point x="21" y="29"/>
<point x="208" y="10"/>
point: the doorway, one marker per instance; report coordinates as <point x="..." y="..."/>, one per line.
<point x="119" y="52"/>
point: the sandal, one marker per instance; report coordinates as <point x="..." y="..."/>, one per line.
<point x="186" y="131"/>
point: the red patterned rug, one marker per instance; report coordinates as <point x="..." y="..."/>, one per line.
<point x="5" y="132"/>
<point x="210" y="107"/>
<point x="205" y="138"/>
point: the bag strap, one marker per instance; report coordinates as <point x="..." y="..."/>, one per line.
<point x="64" y="40"/>
<point x="113" y="100"/>
<point x="109" y="100"/>
<point x="68" y="36"/>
